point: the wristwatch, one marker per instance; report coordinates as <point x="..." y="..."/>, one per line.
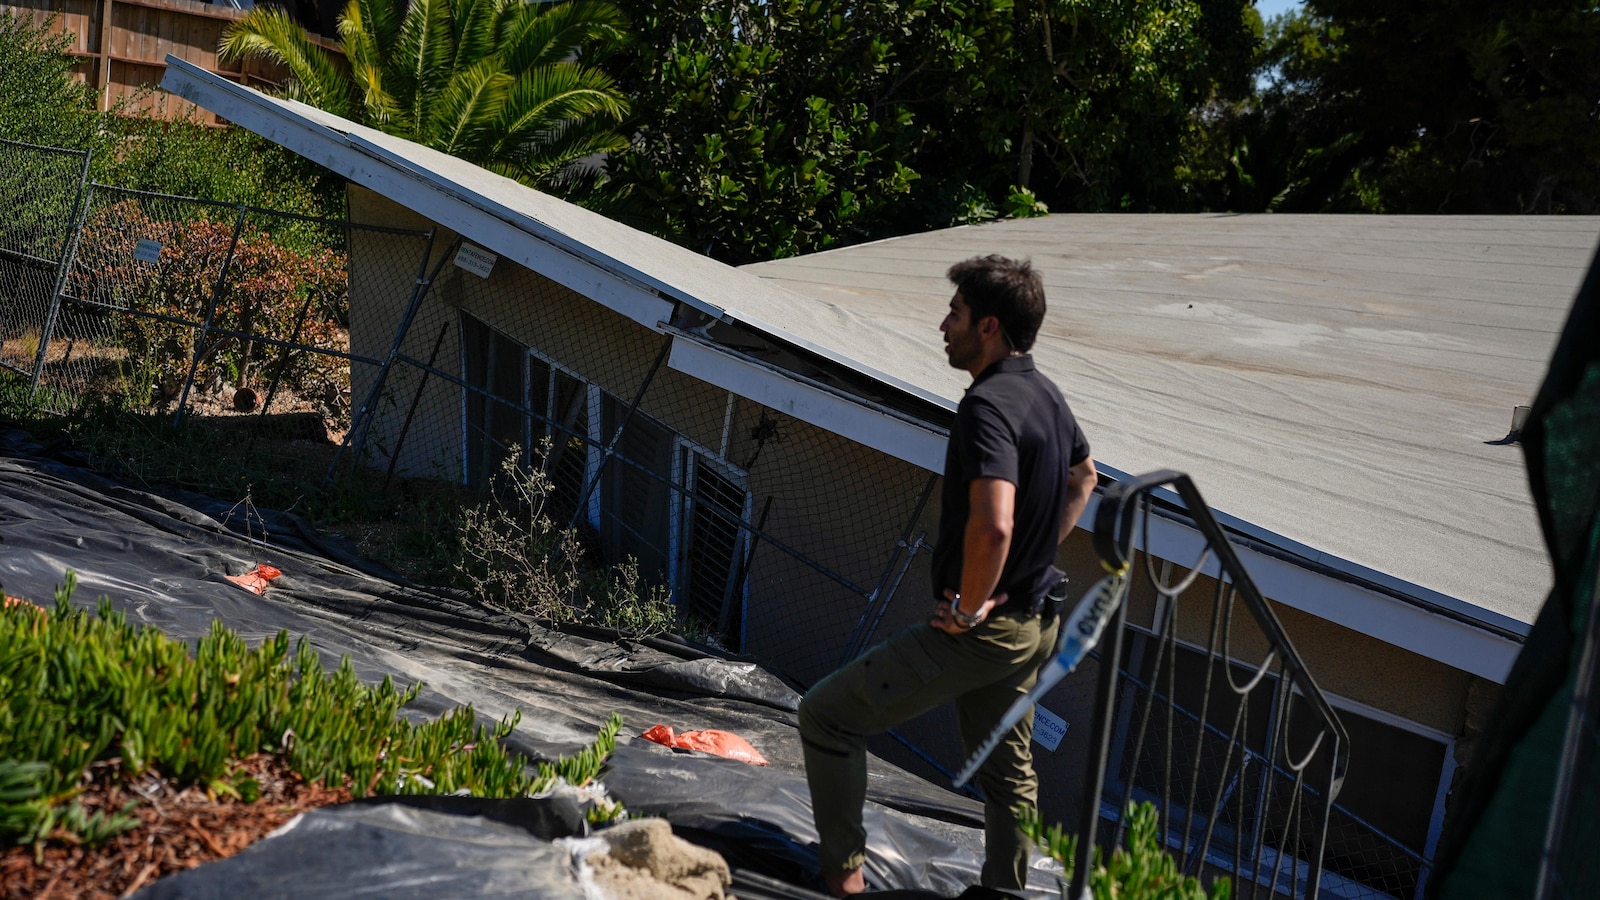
<point x="963" y="619"/>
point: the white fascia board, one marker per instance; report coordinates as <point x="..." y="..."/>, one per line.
<point x="810" y="403"/>
<point x="844" y="361"/>
<point x="1456" y="606"/>
<point x="529" y="239"/>
<point x="490" y="225"/>
<point x="1455" y="643"/>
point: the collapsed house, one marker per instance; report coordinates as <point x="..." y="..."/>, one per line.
<point x="766" y="441"/>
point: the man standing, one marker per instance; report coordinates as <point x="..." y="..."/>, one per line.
<point x="1017" y="476"/>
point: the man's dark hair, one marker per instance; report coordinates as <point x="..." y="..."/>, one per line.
<point x="1008" y="289"/>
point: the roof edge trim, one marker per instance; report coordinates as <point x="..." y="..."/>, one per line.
<point x="1310" y="558"/>
<point x="783" y="391"/>
<point x="463" y="211"/>
<point x="1410" y="626"/>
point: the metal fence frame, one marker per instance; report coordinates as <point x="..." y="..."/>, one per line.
<point x="62" y="261"/>
<point x="1120" y="508"/>
<point x="205" y="327"/>
<point x="876" y="598"/>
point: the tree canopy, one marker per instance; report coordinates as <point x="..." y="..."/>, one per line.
<point x="500" y="83"/>
<point x="1439" y="106"/>
<point x="770" y="127"/>
<point x="753" y="129"/>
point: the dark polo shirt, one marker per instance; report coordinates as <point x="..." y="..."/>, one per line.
<point x="1014" y="425"/>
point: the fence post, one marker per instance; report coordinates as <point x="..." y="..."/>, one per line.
<point x="416" y="400"/>
<point x="211" y="311"/>
<point x="878" y="603"/>
<point x="69" y="250"/>
<point x="1580" y="724"/>
<point x="1099" y="746"/>
<point x="277" y="376"/>
<point x="419" y="290"/>
<point x="611" y="446"/>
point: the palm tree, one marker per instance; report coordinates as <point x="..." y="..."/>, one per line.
<point x="495" y="82"/>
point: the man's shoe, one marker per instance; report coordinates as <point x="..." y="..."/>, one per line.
<point x="844" y="884"/>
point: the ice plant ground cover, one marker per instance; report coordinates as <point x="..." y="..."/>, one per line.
<point x="100" y="721"/>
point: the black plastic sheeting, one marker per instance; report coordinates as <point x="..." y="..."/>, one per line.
<point x="163" y="562"/>
<point x="397" y="851"/>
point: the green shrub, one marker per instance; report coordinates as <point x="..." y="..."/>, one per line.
<point x="40" y="102"/>
<point x="271" y="291"/>
<point x="228" y="165"/>
<point x="77" y="690"/>
<point x="1141" y="871"/>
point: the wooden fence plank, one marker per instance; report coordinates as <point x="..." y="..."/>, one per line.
<point x="121" y="45"/>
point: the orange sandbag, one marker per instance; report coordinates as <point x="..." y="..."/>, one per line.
<point x="722" y="743"/>
<point x="255" y="582"/>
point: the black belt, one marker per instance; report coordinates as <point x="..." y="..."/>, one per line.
<point x="1047" y="605"/>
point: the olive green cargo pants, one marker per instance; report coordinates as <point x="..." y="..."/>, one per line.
<point x="983" y="671"/>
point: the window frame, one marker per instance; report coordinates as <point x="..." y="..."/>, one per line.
<point x="690" y="452"/>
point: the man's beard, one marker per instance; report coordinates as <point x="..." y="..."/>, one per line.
<point x="961" y="351"/>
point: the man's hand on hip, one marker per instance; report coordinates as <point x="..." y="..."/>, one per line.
<point x="944" y="618"/>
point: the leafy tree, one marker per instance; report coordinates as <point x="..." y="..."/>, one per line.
<point x="1088" y="104"/>
<point x="765" y="128"/>
<point x="495" y="82"/>
<point x="1437" y="106"/>
<point x="40" y="103"/>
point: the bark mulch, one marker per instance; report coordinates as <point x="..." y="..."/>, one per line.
<point x="179" y="829"/>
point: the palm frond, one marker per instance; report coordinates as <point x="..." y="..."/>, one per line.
<point x="381" y="21"/>
<point x="476" y="25"/>
<point x="382" y="110"/>
<point x="270" y="32"/>
<point x="549" y="95"/>
<point x="536" y="35"/>
<point x="463" y="117"/>
<point x="561" y="154"/>
<point x="420" y="62"/>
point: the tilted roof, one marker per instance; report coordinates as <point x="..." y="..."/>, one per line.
<point x="1343" y="381"/>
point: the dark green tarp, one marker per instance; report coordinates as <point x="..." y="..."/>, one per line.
<point x="1497" y="832"/>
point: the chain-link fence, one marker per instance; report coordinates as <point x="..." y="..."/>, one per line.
<point x="39" y="192"/>
<point x="717" y="498"/>
<point x="232" y="314"/>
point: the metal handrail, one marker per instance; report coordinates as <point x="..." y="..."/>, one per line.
<point x="1114" y="533"/>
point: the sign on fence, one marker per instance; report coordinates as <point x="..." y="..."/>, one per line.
<point x="1048" y="728"/>
<point x="476" y="260"/>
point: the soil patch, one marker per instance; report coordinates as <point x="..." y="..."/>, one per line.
<point x="178" y="829"/>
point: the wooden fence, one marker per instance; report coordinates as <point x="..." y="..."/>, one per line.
<point x="121" y="48"/>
